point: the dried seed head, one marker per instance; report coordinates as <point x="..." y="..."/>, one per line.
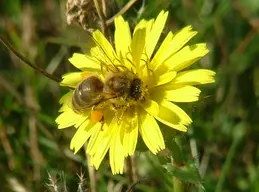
<point x="82" y="12"/>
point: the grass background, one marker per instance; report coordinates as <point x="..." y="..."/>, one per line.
<point x="222" y="141"/>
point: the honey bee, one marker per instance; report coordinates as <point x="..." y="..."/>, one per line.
<point x="117" y="86"/>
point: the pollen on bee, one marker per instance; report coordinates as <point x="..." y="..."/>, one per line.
<point x="85" y="75"/>
<point x="96" y="116"/>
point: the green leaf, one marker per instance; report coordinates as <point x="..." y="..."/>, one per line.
<point x="184" y="173"/>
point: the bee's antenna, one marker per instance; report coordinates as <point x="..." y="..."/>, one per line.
<point x="35" y="67"/>
<point x="129" y="52"/>
<point x="146" y="63"/>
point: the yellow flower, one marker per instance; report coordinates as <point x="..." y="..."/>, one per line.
<point x="164" y="82"/>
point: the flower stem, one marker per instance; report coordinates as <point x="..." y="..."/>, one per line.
<point x="178" y="185"/>
<point x="129" y="171"/>
<point x="122" y="11"/>
<point x="27" y="62"/>
<point x="91" y="170"/>
<point x="101" y="17"/>
<point x="178" y="162"/>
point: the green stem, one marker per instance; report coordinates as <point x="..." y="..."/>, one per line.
<point x="178" y="185"/>
<point x="178" y="161"/>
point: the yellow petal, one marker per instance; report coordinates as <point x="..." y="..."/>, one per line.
<point x="130" y="136"/>
<point x="69" y="118"/>
<point x="71" y="79"/>
<point x="144" y="24"/>
<point x="84" y="62"/>
<point x="173" y="116"/>
<point x="116" y="153"/>
<point x="104" y="131"/>
<point x="194" y="77"/>
<point x="122" y="36"/>
<point x="103" y="147"/>
<point x="82" y="135"/>
<point x="65" y="97"/>
<point x="102" y="143"/>
<point x="80" y="123"/>
<point x="186" y="57"/>
<point x="183" y="94"/>
<point x="155" y="32"/>
<point x="151" y="133"/>
<point x="137" y="47"/>
<point x="138" y="50"/>
<point x="151" y="107"/>
<point x="162" y="54"/>
<point x="105" y="47"/>
<point x="181" y="38"/>
<point x="163" y="79"/>
<point x="96" y="136"/>
<point x="66" y="102"/>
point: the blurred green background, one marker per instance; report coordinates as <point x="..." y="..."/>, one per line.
<point x="222" y="142"/>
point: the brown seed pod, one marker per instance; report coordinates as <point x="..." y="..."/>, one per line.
<point x="82" y="12"/>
